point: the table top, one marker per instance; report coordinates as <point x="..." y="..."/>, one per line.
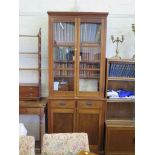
<point x="33" y="104"/>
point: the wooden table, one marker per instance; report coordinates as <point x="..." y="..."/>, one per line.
<point x="34" y="108"/>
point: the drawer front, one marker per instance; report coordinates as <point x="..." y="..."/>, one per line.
<point x="62" y="104"/>
<point x="90" y="104"/>
<point x="28" y="91"/>
<point x="120" y="140"/>
<point x="29" y="111"/>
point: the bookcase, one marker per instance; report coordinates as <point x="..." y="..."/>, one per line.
<point x="30" y="67"/>
<point x="77" y="44"/>
<point x="120" y="106"/>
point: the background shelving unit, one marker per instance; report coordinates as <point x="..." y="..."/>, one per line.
<point x="31" y="68"/>
<point x="120" y="112"/>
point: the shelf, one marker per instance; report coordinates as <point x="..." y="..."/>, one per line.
<point x="65" y="44"/>
<point x="36" y="69"/>
<point x="28" y="53"/>
<point x="88" y="77"/>
<point x="90" y="62"/>
<point x="65" y="69"/>
<point x="120" y="100"/>
<point x="90" y="69"/>
<point x="121" y="61"/>
<point x="29" y="84"/>
<point x="28" y="35"/>
<point x="90" y="44"/>
<point x="63" y="61"/>
<point x="120" y="122"/>
<point x="63" y="76"/>
<point x="121" y="79"/>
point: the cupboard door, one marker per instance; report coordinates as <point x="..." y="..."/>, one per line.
<point x="90" y="58"/>
<point x="62" y="56"/>
<point x="89" y="120"/>
<point x="120" y="140"/>
<point x="61" y="117"/>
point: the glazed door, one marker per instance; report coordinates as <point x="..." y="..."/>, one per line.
<point x="63" y="55"/>
<point x="90" y="57"/>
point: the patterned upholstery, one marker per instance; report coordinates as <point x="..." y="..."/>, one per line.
<point x="64" y="143"/>
<point x="26" y="145"/>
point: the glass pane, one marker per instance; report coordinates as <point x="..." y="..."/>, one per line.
<point x="90" y="32"/>
<point x="90" y="55"/>
<point x="63" y="56"/>
<point x="63" y="69"/>
<point x="64" y="32"/>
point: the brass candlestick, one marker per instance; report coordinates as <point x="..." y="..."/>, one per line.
<point x="117" y="40"/>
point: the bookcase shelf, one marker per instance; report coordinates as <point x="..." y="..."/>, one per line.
<point x="121" y="79"/>
<point x="31" y="68"/>
<point x="28" y="53"/>
<point x="35" y="69"/>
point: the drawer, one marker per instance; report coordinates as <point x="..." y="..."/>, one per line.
<point x="29" y="111"/>
<point x="28" y="91"/>
<point x="62" y="104"/>
<point x="120" y="140"/>
<point x="90" y="104"/>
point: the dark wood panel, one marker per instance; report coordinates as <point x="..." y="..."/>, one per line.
<point x="120" y="110"/>
<point x="89" y="123"/>
<point x="89" y="120"/>
<point x="120" y="138"/>
<point x="63" y="122"/>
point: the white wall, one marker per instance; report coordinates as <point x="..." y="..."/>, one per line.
<point x="33" y="15"/>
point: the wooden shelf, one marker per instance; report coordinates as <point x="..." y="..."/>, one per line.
<point x="121" y="61"/>
<point x="65" y="69"/>
<point x="90" y="44"/>
<point x="28" y="53"/>
<point x="65" y="44"/>
<point x="29" y="84"/>
<point x="121" y="79"/>
<point x="28" y="35"/>
<point x="90" y="62"/>
<point x="90" y="69"/>
<point x="29" y="69"/>
<point x="63" y="61"/>
<point x="88" y="77"/>
<point x="120" y="100"/>
<point x="120" y="123"/>
<point x="63" y="76"/>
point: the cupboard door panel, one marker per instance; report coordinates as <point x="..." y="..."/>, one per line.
<point x="63" y="122"/>
<point x="120" y="140"/>
<point x="89" y="120"/>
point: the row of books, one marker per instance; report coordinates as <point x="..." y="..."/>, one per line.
<point x="63" y="69"/>
<point x="89" y="66"/>
<point x="121" y="70"/>
<point x="90" y="32"/>
<point x="64" y="32"/>
<point x="63" y="54"/>
<point x="90" y="54"/>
